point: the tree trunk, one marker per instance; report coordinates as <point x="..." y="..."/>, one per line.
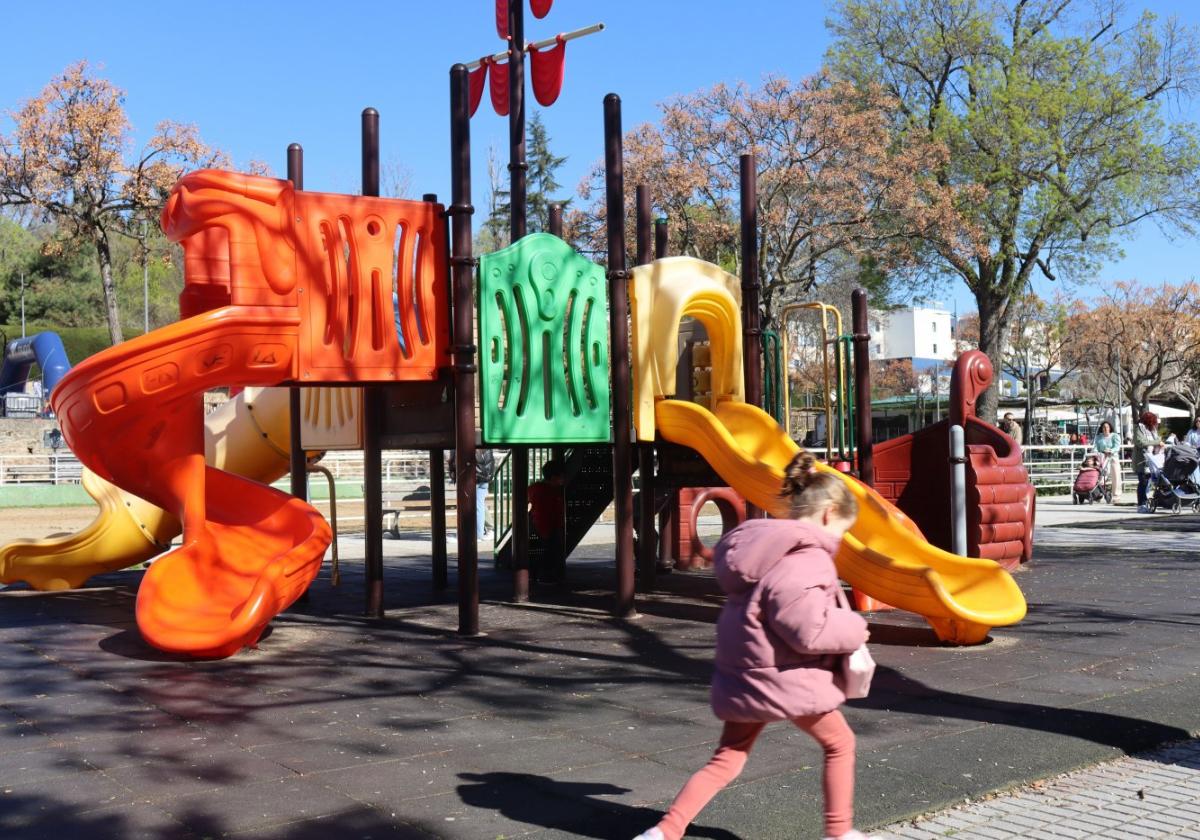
<point x="104" y="254"/>
<point x="993" y="323"/>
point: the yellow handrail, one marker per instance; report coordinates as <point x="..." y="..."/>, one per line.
<point x="335" y="574"/>
<point x="824" y="309"/>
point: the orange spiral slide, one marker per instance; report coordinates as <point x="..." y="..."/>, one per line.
<point x="280" y="287"/>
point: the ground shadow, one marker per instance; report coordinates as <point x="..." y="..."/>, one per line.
<point x="42" y="817"/>
<point x="549" y="803"/>
<point x="129" y="644"/>
<point x="1128" y="734"/>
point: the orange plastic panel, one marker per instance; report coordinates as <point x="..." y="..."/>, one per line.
<point x="368" y="275"/>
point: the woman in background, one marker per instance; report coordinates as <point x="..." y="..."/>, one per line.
<point x="1108" y="444"/>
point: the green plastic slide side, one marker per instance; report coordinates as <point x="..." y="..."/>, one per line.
<point x="543" y="339"/>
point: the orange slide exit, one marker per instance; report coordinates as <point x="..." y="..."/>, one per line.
<point x="280" y="286"/>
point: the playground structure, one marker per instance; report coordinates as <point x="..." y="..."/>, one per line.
<point x="913" y="471"/>
<point x="45" y="349"/>
<point x="285" y="287"/>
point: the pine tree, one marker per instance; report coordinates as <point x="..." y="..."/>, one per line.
<point x="541" y="187"/>
<point x="543" y="163"/>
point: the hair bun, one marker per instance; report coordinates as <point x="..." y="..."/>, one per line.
<point x="799" y="473"/>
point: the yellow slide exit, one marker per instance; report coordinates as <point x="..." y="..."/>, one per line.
<point x="961" y="597"/>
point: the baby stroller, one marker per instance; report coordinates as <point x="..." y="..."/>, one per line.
<point x="1177" y="484"/>
<point x="1092" y="483"/>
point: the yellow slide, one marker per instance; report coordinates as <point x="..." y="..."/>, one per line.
<point x="960" y="597"/>
<point x="248" y="436"/>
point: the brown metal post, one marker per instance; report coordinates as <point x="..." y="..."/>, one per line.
<point x="437" y="500"/>
<point x="372" y="408"/>
<point x="647" y="553"/>
<point x="666" y="557"/>
<point x="751" y="307"/>
<point x="461" y="265"/>
<point x="618" y="325"/>
<point x="751" y="310"/>
<point x="437" y="518"/>
<point x="298" y="462"/>
<point x="862" y="387"/>
<point x="517" y="168"/>
<point x="554" y="226"/>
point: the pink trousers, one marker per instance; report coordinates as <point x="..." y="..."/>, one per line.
<point x="830" y="730"/>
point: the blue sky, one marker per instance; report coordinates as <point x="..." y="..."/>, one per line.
<point x="255" y="76"/>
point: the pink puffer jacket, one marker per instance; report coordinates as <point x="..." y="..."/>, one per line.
<point x="781" y="625"/>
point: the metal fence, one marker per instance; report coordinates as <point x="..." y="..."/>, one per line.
<point x="56" y="468"/>
<point x="1052" y="469"/>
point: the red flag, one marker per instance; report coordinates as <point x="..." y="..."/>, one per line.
<point x="499" y="88"/>
<point x="546" y="67"/>
<point x="502" y="19"/>
<point x="541" y="8"/>
<point x="478" y="76"/>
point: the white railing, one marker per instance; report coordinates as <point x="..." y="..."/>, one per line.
<point x="55" y="468"/>
<point x="401" y="468"/>
<point x="1053" y="468"/>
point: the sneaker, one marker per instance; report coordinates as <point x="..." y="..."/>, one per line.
<point x="1143" y="509"/>
<point x="650" y="834"/>
<point x="855" y="834"/>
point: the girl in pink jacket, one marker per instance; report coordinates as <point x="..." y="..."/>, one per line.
<point x="779" y="640"/>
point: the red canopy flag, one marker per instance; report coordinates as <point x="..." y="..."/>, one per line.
<point x="541" y="8"/>
<point x="499" y="88"/>
<point x="546" y="67"/>
<point x="502" y="19"/>
<point x="477" y="77"/>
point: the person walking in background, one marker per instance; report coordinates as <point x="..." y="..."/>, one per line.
<point x="1011" y="427"/>
<point x="1145" y="438"/>
<point x="1108" y="444"/>
<point x="1193" y="436"/>
<point x="547" y="510"/>
<point x="780" y="637"/>
<point x="485" y="469"/>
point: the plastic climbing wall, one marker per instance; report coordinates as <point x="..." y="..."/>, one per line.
<point x="543" y="338"/>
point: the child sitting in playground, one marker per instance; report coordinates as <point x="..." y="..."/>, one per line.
<point x="546" y="510"/>
<point x="779" y="637"/>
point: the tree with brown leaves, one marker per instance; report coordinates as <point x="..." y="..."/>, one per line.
<point x="69" y="159"/>
<point x="893" y="378"/>
<point x="832" y="183"/>
<point x="1141" y="335"/>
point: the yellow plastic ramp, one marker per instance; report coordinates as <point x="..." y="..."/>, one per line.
<point x="126" y="531"/>
<point x="961" y="597"/>
<point x="248" y="435"/>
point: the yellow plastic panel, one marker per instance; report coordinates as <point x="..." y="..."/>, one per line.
<point x="661" y="294"/>
<point x="331" y="418"/>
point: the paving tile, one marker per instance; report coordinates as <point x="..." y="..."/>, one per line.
<point x="359" y="823"/>
<point x="43" y="763"/>
<point x="245" y="807"/>
<point x="167" y="775"/>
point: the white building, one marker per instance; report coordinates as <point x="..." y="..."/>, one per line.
<point x="923" y="334"/>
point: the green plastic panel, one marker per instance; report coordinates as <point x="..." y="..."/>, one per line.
<point x="543" y="345"/>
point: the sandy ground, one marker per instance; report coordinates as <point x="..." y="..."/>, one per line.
<point x="35" y="523"/>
